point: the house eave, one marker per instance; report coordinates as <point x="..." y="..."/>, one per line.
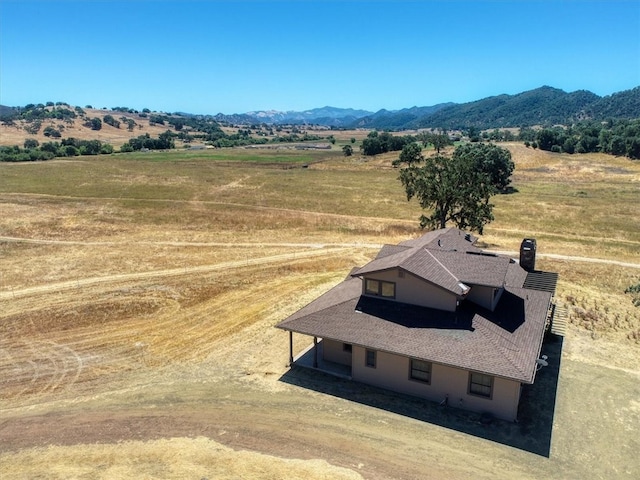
<point x="452" y="335"/>
<point x="523" y="380"/>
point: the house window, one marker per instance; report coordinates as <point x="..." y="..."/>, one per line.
<point x="347" y="347"/>
<point x="388" y="289"/>
<point x="420" y="371"/>
<point x="480" y="384"/>
<point x="379" y="288"/>
<point x="370" y="360"/>
<point x="371" y="287"/>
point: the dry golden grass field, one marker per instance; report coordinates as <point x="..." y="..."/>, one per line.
<point x="139" y="294"/>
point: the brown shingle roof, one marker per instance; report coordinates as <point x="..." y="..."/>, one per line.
<point x="445" y="258"/>
<point x="421" y="262"/>
<point x="475" y="268"/>
<point x="504" y="342"/>
<point x="449" y="239"/>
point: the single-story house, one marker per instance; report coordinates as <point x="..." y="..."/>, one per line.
<point x="439" y="318"/>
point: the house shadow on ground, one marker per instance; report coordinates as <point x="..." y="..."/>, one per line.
<point x="532" y="432"/>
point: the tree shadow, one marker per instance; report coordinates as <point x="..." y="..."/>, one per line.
<point x="532" y="432"/>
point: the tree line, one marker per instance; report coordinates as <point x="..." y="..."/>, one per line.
<point x="32" y="150"/>
<point x="383" y="142"/>
<point x="615" y="137"/>
<point x="165" y="141"/>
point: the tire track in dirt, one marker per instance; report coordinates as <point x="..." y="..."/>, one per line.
<point x="106" y="326"/>
<point x="194" y="244"/>
<point x="564" y="235"/>
<point x="554" y="256"/>
<point x="37" y="367"/>
<point x="125" y="277"/>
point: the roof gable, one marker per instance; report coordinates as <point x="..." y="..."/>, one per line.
<point x="447" y="258"/>
<point x="422" y="263"/>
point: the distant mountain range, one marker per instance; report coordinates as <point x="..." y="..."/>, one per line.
<point x="328" y="116"/>
<point x="542" y="106"/>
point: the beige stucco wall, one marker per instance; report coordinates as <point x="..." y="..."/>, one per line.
<point x="333" y="351"/>
<point x="392" y="372"/>
<point x="413" y="290"/>
<point x="483" y="296"/>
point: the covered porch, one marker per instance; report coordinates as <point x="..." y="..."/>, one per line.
<point x="313" y="357"/>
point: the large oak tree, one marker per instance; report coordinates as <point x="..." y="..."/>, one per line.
<point x="456" y="188"/>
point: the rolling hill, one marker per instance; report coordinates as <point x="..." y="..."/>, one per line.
<point x="542" y="106"/>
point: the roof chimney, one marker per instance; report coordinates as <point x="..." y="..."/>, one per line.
<point x="528" y="254"/>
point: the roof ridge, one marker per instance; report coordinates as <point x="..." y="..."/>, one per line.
<point x="442" y="265"/>
<point x="506" y="351"/>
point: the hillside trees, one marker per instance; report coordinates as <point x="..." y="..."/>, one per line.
<point x="157" y="119"/>
<point x="93" y="123"/>
<point x="109" y="120"/>
<point x="615" y="137"/>
<point x="455" y="188"/>
<point x="33" y="126"/>
<point x="37" y="113"/>
<point x="51" y="131"/>
<point x="31" y="143"/>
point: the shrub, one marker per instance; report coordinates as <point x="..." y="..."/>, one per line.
<point x="52" y="132"/>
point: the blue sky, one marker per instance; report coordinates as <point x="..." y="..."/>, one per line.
<point x="202" y="56"/>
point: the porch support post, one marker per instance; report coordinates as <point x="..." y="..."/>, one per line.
<point x="290" y="348"/>
<point x="315" y="352"/>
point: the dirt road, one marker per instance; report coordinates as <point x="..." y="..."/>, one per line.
<point x="319" y="250"/>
